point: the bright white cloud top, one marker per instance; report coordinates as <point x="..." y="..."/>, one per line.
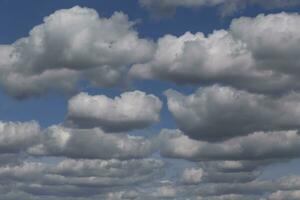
<point x="132" y="110"/>
<point x="254" y="54"/>
<point x="70" y="45"/>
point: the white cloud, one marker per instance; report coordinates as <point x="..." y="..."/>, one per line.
<point x="17" y="136"/>
<point x="192" y="175"/>
<point x="132" y="110"/>
<point x="257" y="54"/>
<point x="91" y="143"/>
<point x="71" y="44"/>
<point x="273" y="40"/>
<point x="236" y="166"/>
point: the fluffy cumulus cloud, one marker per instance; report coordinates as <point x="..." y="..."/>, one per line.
<point x="161" y="8"/>
<point x="256" y="146"/>
<point x="217" y="113"/>
<point x="91" y="143"/>
<point x="256" y="54"/>
<point x="132" y="110"/>
<point x="17" y="137"/>
<point x="71" y="44"/>
<point x="273" y="41"/>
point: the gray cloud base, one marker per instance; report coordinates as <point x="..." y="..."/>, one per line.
<point x="216" y="113"/>
<point x="90" y="143"/>
<point x="256" y="146"/>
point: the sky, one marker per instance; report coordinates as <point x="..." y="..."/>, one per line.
<point x="149" y="99"/>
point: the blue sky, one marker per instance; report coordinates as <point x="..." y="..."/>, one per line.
<point x="17" y="19"/>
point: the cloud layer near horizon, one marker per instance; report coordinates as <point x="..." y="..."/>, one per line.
<point x="89" y="158"/>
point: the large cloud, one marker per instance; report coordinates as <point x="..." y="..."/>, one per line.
<point x="19" y="139"/>
<point x="273" y="41"/>
<point x="71" y="44"/>
<point x="257" y="54"/>
<point x="168" y="7"/>
<point x="131" y="110"/>
<point x="217" y="113"/>
<point x="91" y="143"/>
<point x="256" y="146"/>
